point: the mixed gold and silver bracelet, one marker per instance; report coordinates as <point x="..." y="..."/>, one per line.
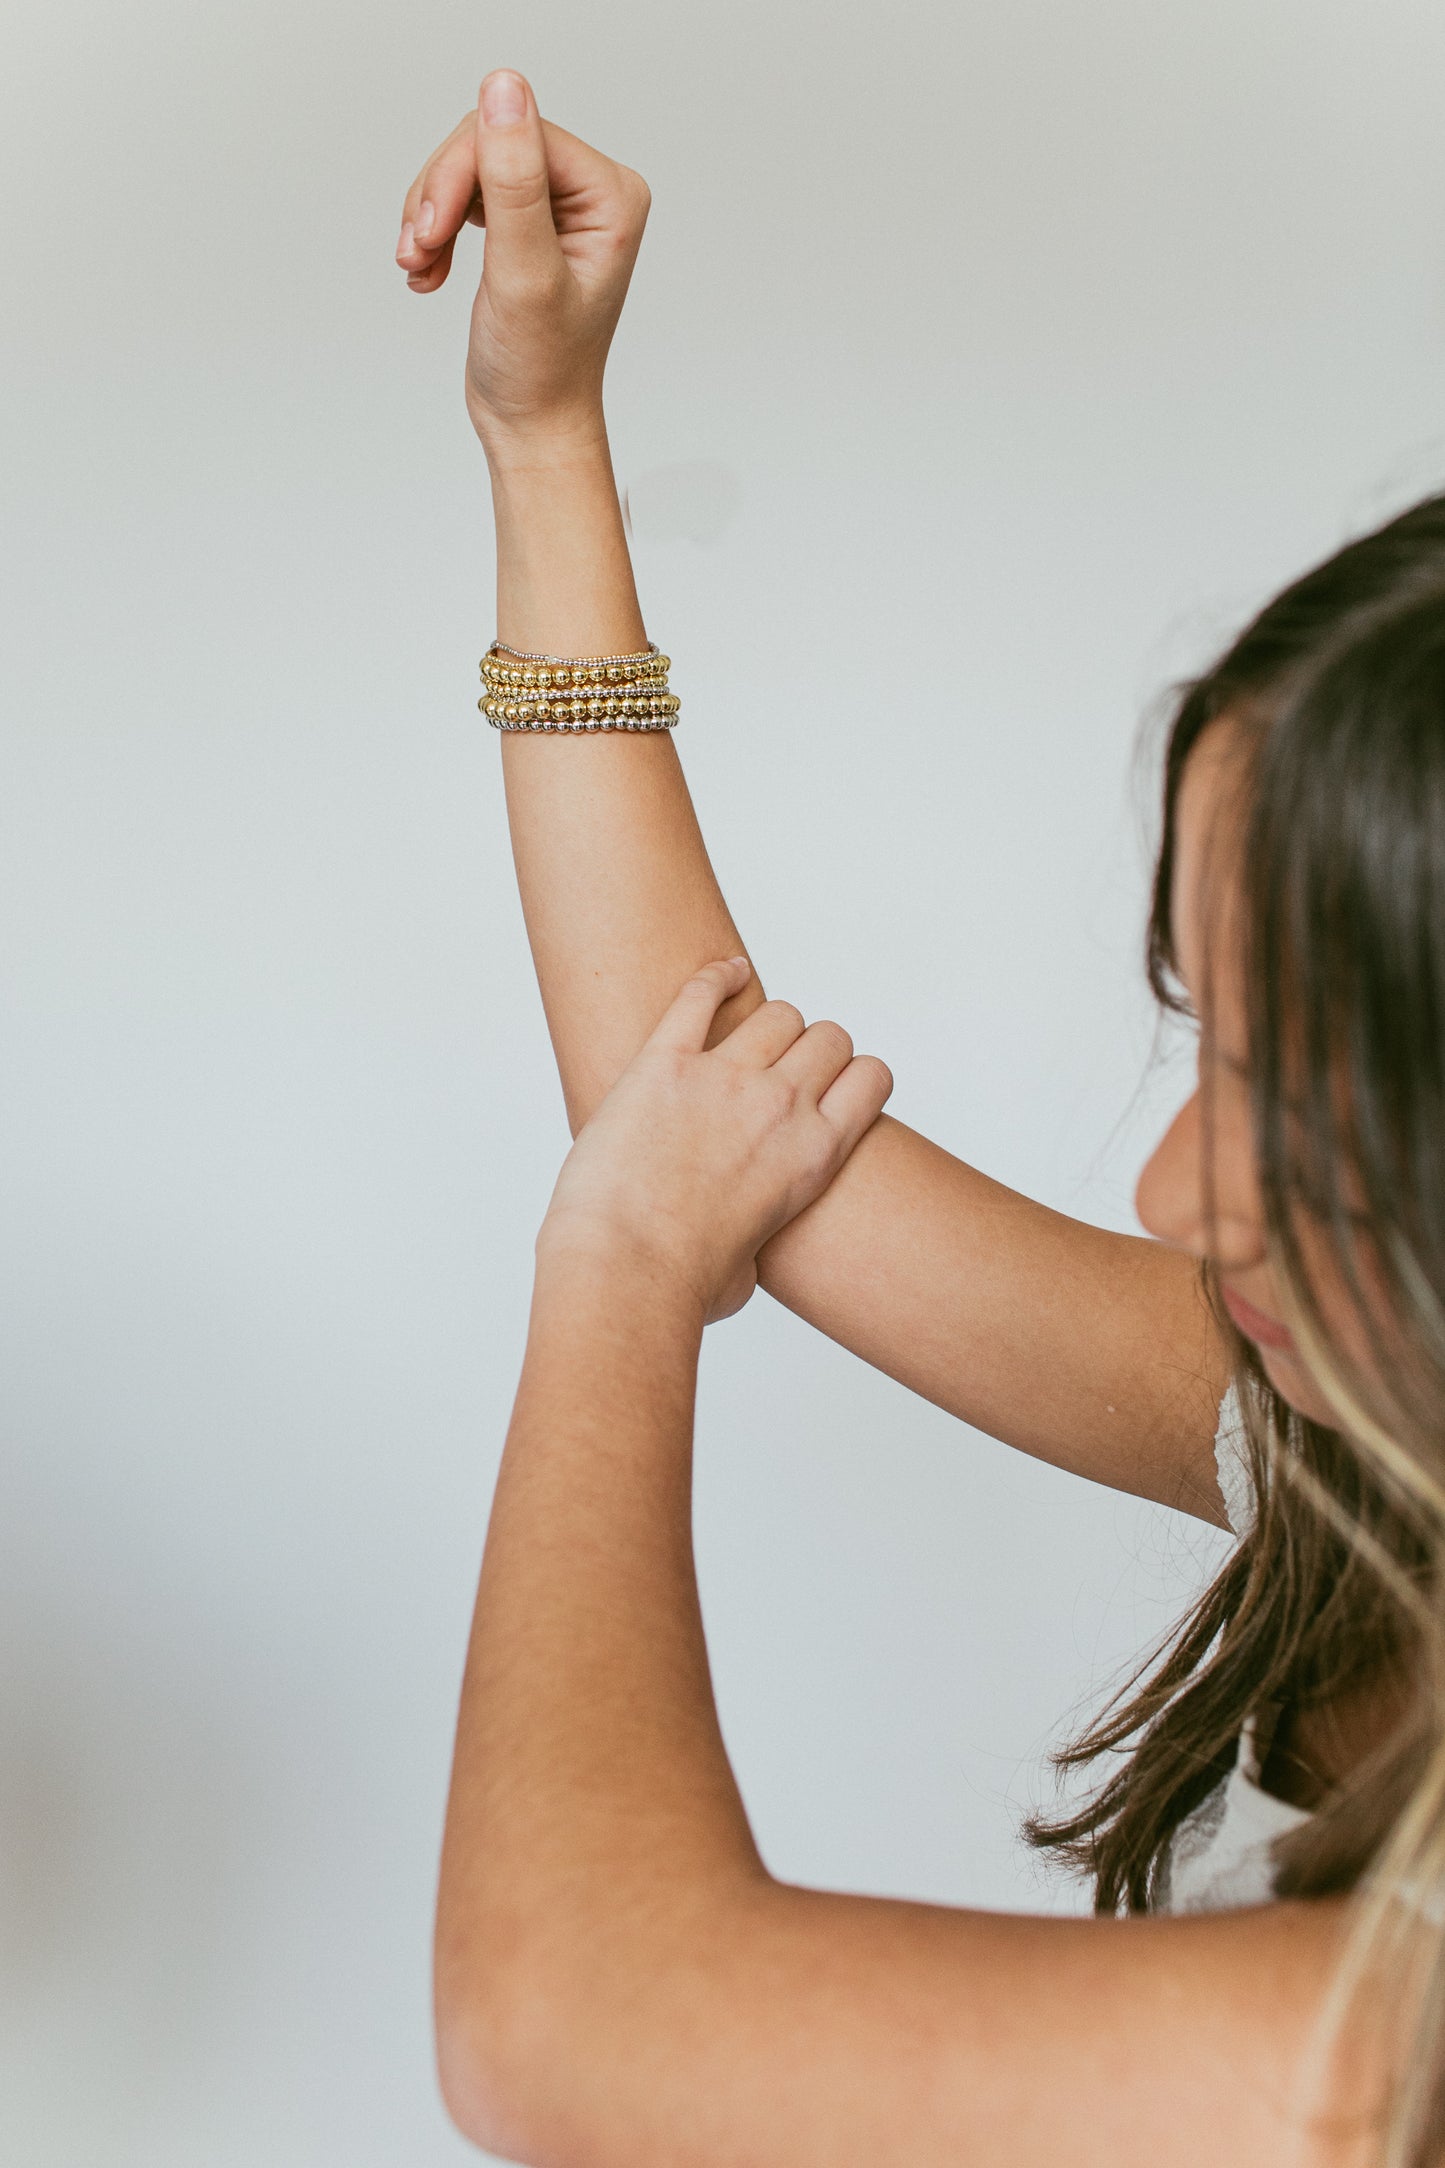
<point x="577" y="692"/>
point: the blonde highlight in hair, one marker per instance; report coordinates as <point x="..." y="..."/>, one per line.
<point x="1338" y="691"/>
<point x="1396" y="1942"/>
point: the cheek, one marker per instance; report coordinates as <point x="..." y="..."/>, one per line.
<point x="1343" y="1313"/>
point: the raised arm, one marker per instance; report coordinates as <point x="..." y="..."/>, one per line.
<point x="1083" y="1347"/>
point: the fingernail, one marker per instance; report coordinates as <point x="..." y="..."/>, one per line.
<point x="403" y="246"/>
<point x="503" y="98"/>
<point x="424" y="218"/>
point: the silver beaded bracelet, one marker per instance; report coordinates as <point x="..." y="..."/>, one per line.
<point x="617" y="722"/>
<point x="574" y="662"/>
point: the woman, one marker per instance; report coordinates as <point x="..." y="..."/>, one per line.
<point x="618" y="1977"/>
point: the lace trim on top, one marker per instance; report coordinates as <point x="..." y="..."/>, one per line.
<point x="1231" y="1458"/>
<point x="1221" y="1854"/>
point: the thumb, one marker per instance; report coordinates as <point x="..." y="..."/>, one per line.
<point x="512" y="172"/>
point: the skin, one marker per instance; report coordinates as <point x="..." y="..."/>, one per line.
<point x="619" y="1978"/>
<point x="1171" y="1199"/>
<point x="1199" y="1192"/>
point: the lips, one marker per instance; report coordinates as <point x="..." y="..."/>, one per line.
<point x="1265" y="1331"/>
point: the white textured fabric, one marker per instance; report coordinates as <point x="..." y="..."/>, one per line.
<point x="1220" y="1855"/>
<point x="1231" y="1458"/>
<point x="1221" y="1852"/>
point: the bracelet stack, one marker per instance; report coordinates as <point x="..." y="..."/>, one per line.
<point x="577" y="692"/>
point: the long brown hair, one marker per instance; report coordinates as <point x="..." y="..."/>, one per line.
<point x="1339" y="686"/>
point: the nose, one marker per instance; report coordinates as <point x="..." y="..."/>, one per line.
<point x="1210" y="1210"/>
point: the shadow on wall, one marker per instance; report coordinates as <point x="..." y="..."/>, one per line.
<point x="689" y="502"/>
<point x="123" y="1853"/>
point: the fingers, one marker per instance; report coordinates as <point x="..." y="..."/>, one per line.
<point x="689" y="1019"/>
<point x="578" y="186"/>
<point x="433" y="272"/>
<point x="760" y="1038"/>
<point x="853" y="1103"/>
<point x="438" y="204"/>
<point x="493" y="169"/>
<point x="813" y="1061"/>
<point x="850" y="1091"/>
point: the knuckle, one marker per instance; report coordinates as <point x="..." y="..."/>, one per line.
<point x="620" y="241"/>
<point x="635" y="190"/>
<point x="517" y="184"/>
<point x="531" y="285"/>
<point x="787" y="1012"/>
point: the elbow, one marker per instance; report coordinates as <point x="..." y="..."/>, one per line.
<point x="470" y="2093"/>
<point x="475" y="2092"/>
<point x="547" y="2030"/>
<point x="490" y="2050"/>
<point x="478" y="2095"/>
<point x="479" y="2047"/>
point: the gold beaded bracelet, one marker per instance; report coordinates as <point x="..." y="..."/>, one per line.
<point x="577" y="692"/>
<point x="606" y="713"/>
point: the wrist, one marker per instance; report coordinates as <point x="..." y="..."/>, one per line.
<point x="632" y="1268"/>
<point x="559" y="443"/>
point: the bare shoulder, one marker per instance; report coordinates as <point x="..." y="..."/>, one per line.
<point x="1088" y="1348"/>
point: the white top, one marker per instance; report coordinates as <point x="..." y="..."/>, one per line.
<point x="1220" y="1854"/>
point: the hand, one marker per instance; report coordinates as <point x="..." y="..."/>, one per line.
<point x="696" y="1157"/>
<point x="564" y="225"/>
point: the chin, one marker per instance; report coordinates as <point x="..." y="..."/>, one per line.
<point x="1293" y="1383"/>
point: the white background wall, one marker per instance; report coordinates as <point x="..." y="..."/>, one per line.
<point x="1026" y="348"/>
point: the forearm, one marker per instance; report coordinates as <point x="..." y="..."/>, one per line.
<point x="620" y="900"/>
<point x="592" y="1804"/>
<point x="564" y="576"/>
<point x="1083" y="1347"/>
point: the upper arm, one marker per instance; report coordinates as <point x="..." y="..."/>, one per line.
<point x="1093" y="1350"/>
<point x="799" y="2029"/>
